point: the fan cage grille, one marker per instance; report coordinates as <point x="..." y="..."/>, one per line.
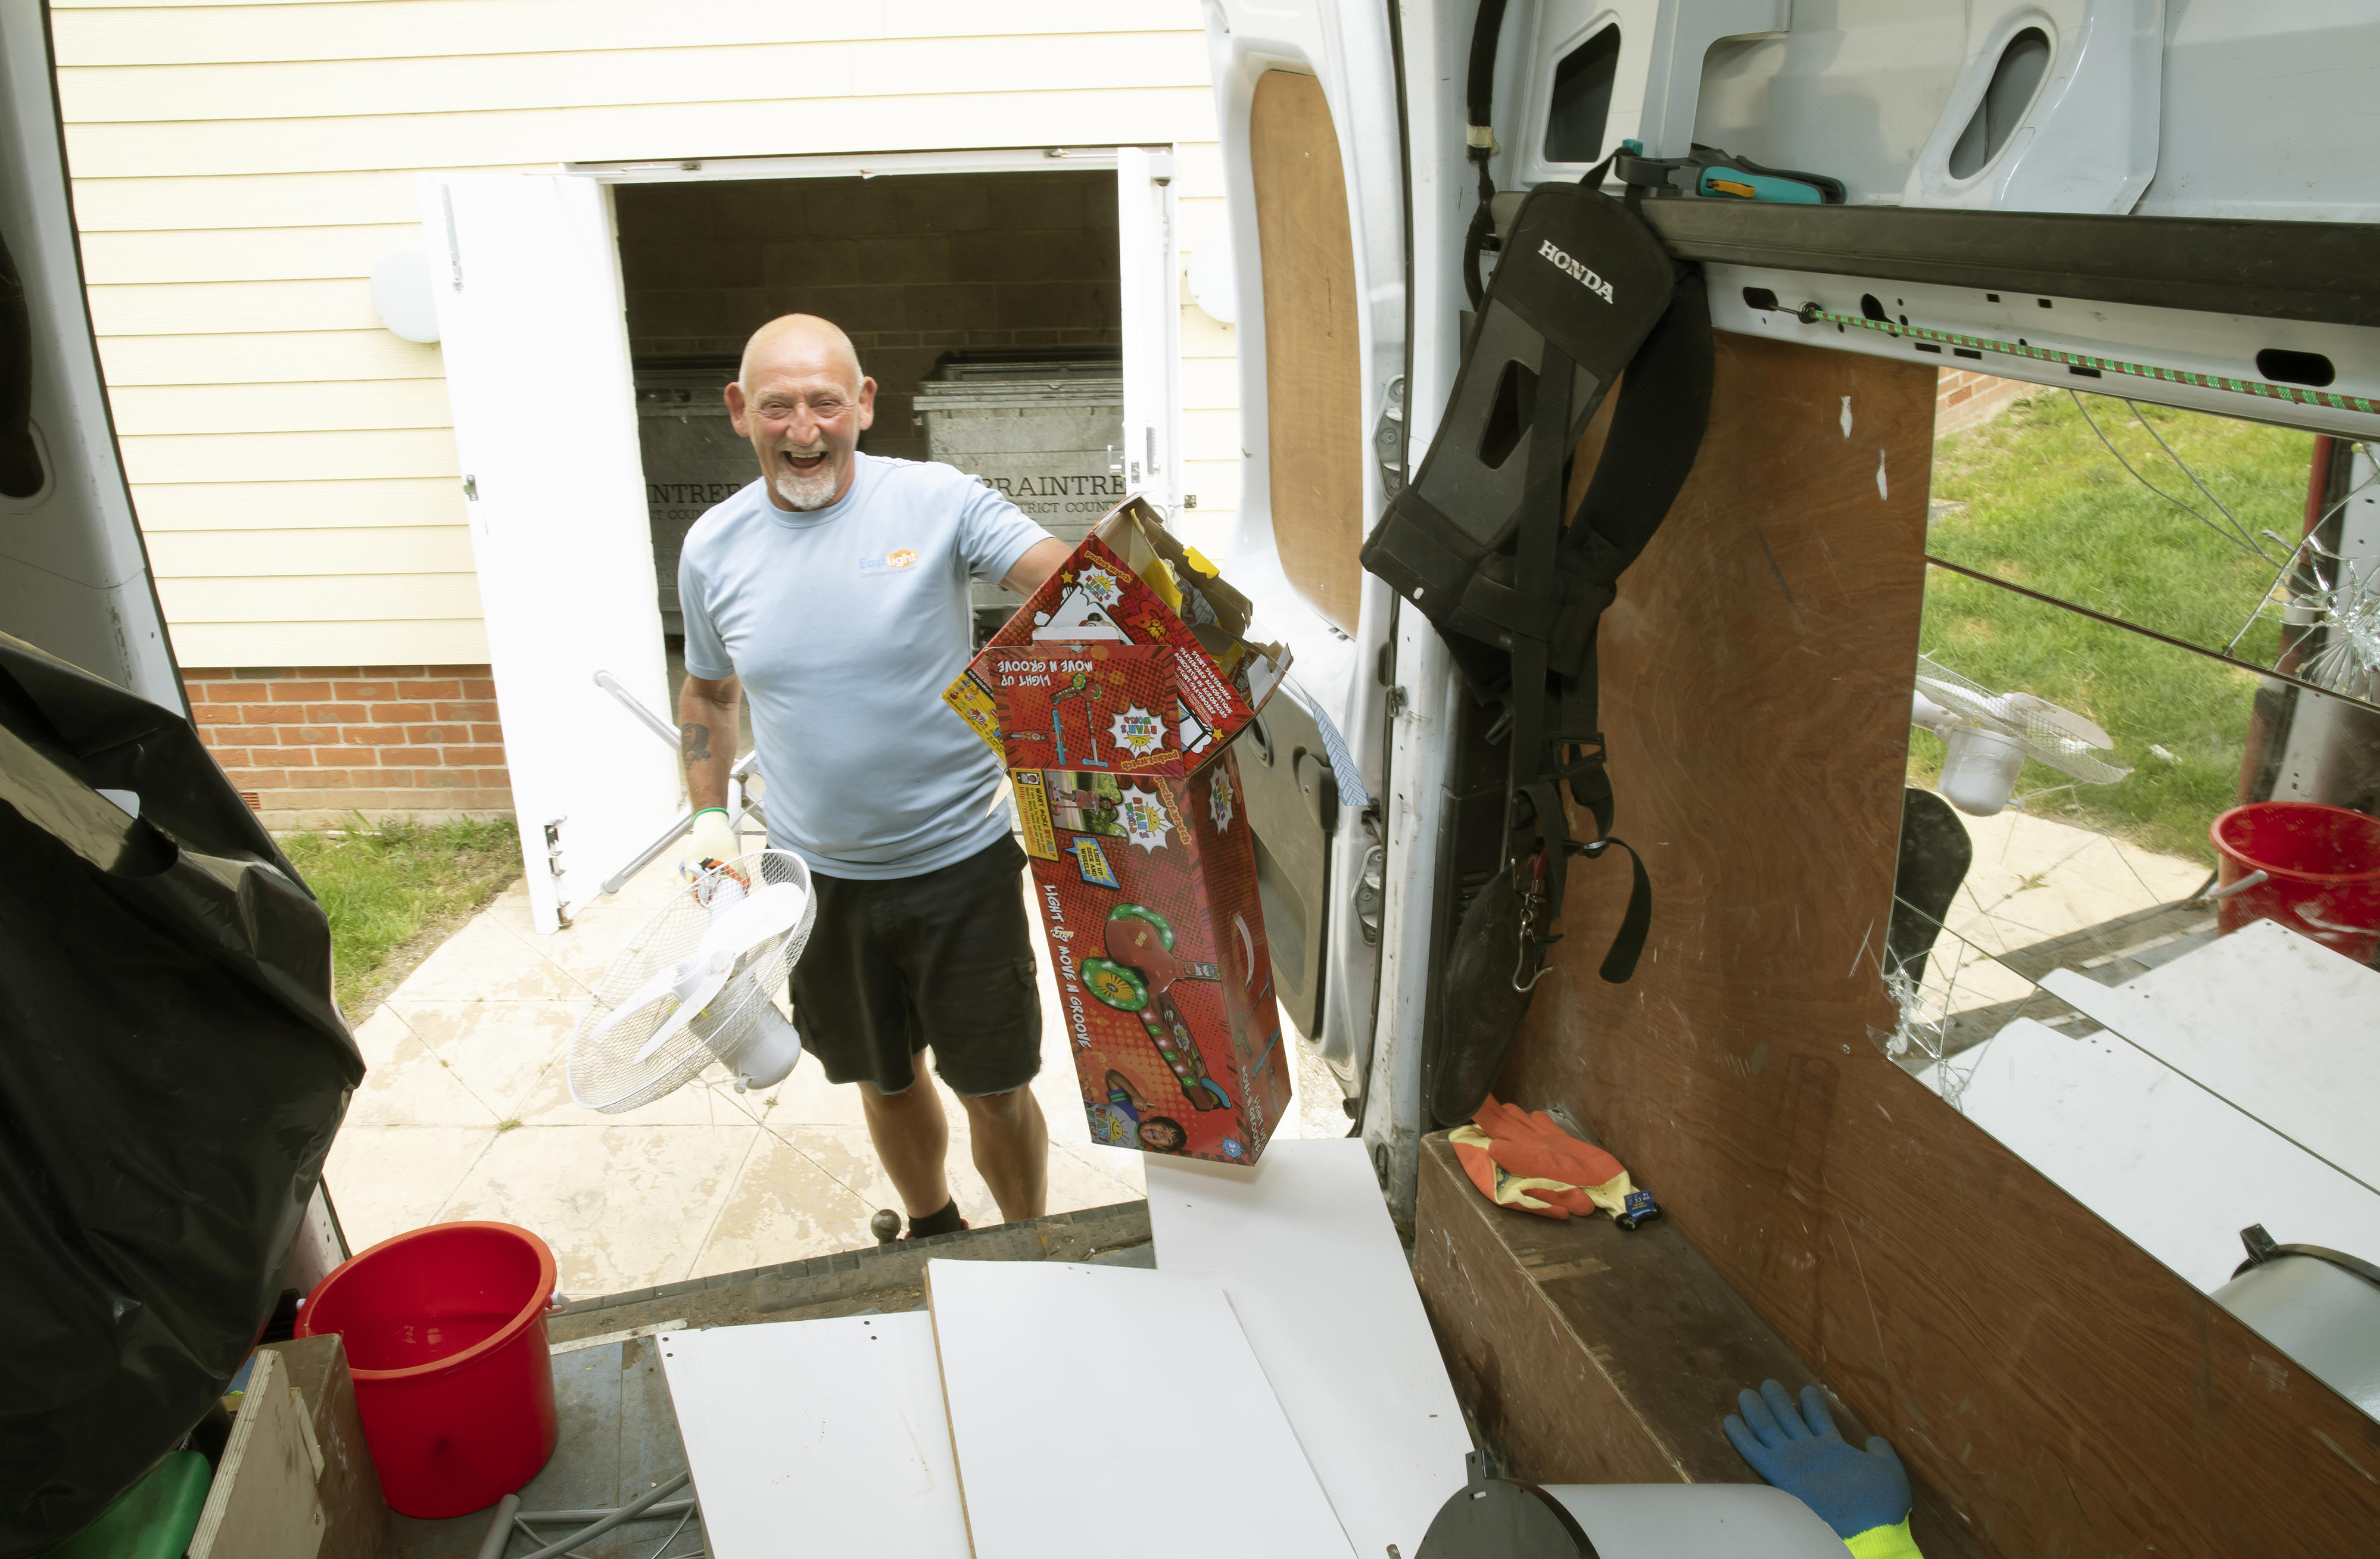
<point x="604" y="1074"/>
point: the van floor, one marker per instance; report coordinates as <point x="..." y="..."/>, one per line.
<point x="618" y="1434"/>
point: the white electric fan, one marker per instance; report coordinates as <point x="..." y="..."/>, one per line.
<point x="698" y="982"/>
<point x="1990" y="735"/>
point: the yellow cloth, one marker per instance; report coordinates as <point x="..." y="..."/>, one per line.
<point x="1884" y="1542"/>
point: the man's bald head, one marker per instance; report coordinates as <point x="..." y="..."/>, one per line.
<point x="802" y="400"/>
<point x="801" y="345"/>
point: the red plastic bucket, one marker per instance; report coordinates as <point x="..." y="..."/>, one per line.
<point x="2321" y="866"/>
<point x="444" y="1329"/>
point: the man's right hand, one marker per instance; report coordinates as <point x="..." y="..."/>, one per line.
<point x="712" y="842"/>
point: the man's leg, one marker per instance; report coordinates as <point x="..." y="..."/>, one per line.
<point x="912" y="1139"/>
<point x="1012" y="1150"/>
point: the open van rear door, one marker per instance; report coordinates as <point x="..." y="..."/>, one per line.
<point x="534" y="328"/>
<point x="1307" y="100"/>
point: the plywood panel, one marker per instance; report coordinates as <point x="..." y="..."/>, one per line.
<point x="1314" y="391"/>
<point x="270" y="505"/>
<point x="2069" y="1395"/>
<point x="1073" y="114"/>
<point x="262" y="1503"/>
<point x="355" y="1517"/>
<point x="280" y="408"/>
<point x="273" y="358"/>
<point x="1590" y="1354"/>
<point x="468" y="78"/>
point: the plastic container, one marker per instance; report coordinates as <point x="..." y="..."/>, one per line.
<point x="153" y="1519"/>
<point x="446" y="1335"/>
<point x="2322" y="867"/>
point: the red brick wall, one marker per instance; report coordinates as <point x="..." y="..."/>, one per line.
<point x="1962" y="399"/>
<point x="317" y="745"/>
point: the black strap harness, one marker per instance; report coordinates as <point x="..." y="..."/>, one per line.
<point x="1476" y="542"/>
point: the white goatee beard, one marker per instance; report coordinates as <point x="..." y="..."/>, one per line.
<point x="804" y="493"/>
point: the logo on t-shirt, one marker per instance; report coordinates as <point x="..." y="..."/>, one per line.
<point x="900" y="557"/>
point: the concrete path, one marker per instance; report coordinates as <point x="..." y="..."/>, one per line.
<point x="466" y="1113"/>
<point x="2033" y="878"/>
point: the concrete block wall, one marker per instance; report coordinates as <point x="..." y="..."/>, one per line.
<point x="1963" y="400"/>
<point x="312" y="745"/>
<point x="910" y="266"/>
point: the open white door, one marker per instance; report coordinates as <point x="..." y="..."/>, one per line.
<point x="1150" y="256"/>
<point x="535" y="335"/>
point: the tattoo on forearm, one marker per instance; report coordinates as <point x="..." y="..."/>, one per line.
<point x="693" y="740"/>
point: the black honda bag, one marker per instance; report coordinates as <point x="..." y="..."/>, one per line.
<point x="1584" y="292"/>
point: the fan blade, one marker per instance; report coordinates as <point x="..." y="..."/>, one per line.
<point x="663" y="984"/>
<point x="2062" y="720"/>
<point x="688" y="1011"/>
<point x="769" y="913"/>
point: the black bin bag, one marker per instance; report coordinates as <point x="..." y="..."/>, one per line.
<point x="171" y="1069"/>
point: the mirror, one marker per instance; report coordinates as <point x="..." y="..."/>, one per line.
<point x="2135" y="928"/>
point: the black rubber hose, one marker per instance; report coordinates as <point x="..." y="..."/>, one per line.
<point x="1480" y="94"/>
<point x="1479" y="102"/>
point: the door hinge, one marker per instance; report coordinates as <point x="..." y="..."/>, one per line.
<point x="554" y="868"/>
<point x="1389" y="438"/>
<point x="1397" y="702"/>
<point x="1371" y="893"/>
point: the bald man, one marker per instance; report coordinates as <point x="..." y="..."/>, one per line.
<point x="833" y="591"/>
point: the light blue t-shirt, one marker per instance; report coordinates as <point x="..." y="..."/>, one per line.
<point x="844" y="624"/>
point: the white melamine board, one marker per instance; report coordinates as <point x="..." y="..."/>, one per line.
<point x="1097" y="1408"/>
<point x="2174" y="1168"/>
<point x="1304" y="1249"/>
<point x="821" y="1437"/>
<point x="2276" y="1023"/>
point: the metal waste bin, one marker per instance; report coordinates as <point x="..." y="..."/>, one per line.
<point x="693" y="459"/>
<point x="1048" y="433"/>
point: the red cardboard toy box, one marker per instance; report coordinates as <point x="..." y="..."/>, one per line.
<point x="1148" y="891"/>
<point x="1175" y="642"/>
<point x="1111" y="697"/>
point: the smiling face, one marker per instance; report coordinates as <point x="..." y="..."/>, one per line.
<point x="803" y="402"/>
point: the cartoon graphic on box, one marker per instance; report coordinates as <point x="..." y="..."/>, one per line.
<point x="1082" y="803"/>
<point x="1111" y="697"/>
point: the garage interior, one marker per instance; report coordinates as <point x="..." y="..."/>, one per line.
<point x="995" y="273"/>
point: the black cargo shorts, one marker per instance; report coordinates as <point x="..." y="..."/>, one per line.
<point x="941" y="960"/>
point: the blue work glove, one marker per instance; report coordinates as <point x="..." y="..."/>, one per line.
<point x="1864" y="1495"/>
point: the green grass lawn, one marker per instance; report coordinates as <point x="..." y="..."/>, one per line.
<point x="2043" y="504"/>
<point x="394" y="890"/>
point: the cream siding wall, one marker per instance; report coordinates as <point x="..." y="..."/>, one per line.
<point x="239" y="169"/>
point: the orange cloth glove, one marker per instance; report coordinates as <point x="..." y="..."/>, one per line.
<point x="1528" y="1162"/>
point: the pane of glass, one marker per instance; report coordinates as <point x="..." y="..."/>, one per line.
<point x="2233" y="536"/>
<point x="2135" y="927"/>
